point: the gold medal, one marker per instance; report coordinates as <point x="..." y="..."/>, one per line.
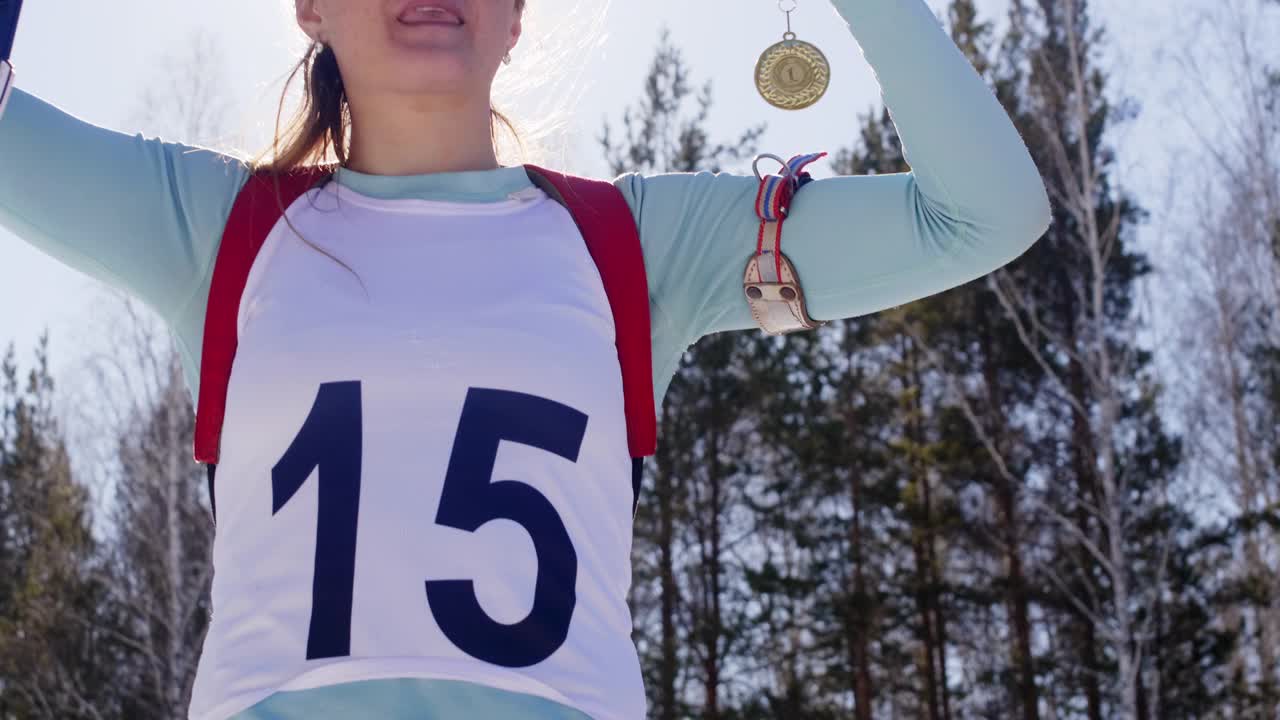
<point x="792" y="74"/>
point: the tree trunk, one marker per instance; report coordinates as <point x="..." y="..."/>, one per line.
<point x="1019" y="615"/>
<point x="920" y="546"/>
<point x="711" y="626"/>
<point x="1082" y="462"/>
<point x="1092" y="694"/>
<point x="857" y="623"/>
<point x="666" y="569"/>
<point x="933" y="569"/>
<point x="1016" y="600"/>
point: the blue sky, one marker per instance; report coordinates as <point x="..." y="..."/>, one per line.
<point x="95" y="60"/>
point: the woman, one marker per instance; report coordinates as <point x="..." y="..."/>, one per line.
<point x="455" y="273"/>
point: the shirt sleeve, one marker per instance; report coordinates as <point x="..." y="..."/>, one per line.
<point x="973" y="201"/>
<point x="140" y="214"/>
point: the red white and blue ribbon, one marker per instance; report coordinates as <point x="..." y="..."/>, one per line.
<point x="773" y="201"/>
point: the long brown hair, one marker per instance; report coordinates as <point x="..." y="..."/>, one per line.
<point x="318" y="134"/>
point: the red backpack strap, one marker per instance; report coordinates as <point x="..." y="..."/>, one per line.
<point x="604" y="218"/>
<point x="255" y="212"/>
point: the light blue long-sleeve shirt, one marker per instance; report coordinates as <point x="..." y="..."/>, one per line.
<point x="146" y="215"/>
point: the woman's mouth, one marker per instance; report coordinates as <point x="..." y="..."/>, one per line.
<point x="429" y="14"/>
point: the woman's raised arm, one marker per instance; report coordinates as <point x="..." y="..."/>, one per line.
<point x="138" y="213"/>
<point x="972" y="202"/>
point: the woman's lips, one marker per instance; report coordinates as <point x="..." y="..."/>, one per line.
<point x="432" y="17"/>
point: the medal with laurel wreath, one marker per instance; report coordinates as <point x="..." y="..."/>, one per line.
<point x="792" y="74"/>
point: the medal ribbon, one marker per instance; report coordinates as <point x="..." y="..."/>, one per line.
<point x="773" y="201"/>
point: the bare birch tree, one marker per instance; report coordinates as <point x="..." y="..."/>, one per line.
<point x="1086" y="345"/>
<point x="1230" y="297"/>
<point x="161" y="523"/>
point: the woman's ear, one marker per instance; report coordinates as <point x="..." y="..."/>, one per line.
<point x="309" y="19"/>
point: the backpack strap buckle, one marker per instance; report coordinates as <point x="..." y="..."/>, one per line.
<point x="769" y="280"/>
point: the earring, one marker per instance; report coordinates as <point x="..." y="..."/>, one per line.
<point x="506" y="59"/>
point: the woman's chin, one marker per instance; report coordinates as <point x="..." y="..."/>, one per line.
<point x="431" y="55"/>
<point x="430" y="66"/>
<point x="430" y="79"/>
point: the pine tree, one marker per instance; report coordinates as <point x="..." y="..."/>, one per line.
<point x="989" y="378"/>
<point x="58" y="649"/>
